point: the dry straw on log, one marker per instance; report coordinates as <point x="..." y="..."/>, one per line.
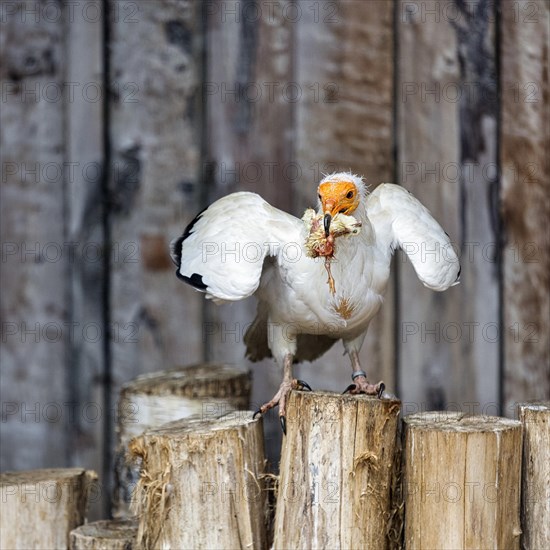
<point x="201" y="484"/>
<point x="151" y="400"/>
<point x="117" y="534"/>
<point x="535" y="501"/>
<point x="462" y="481"/>
<point x="336" y="473"/>
<point x="41" y="507"/>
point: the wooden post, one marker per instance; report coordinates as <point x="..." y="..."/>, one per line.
<point x="336" y="472"/>
<point x="201" y="484"/>
<point x="462" y="481"/>
<point x="41" y="507"/>
<point x="117" y="534"/>
<point x="208" y="390"/>
<point x="535" y="493"/>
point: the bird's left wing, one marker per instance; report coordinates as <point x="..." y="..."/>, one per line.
<point x="222" y="251"/>
<point x="400" y="220"/>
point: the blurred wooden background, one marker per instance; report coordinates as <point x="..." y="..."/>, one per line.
<point x="121" y="119"/>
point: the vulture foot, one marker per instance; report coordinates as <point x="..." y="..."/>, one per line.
<point x="361" y="385"/>
<point x="281" y="397"/>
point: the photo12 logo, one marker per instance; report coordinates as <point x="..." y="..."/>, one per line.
<point x="69" y="11"/>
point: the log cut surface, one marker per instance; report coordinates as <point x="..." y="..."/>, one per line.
<point x="118" y="534"/>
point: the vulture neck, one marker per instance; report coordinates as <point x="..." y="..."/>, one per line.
<point x="348" y="247"/>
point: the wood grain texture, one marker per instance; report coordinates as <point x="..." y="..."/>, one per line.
<point x="105" y="535"/>
<point x="336" y="472"/>
<point x="344" y="121"/>
<point x="463" y="473"/>
<point x="220" y="462"/>
<point x="153" y="187"/>
<point x="446" y="108"/>
<point x="41" y="507"/>
<point x="525" y="200"/>
<point x="535" y="479"/>
<point x="207" y="390"/>
<point x="34" y="305"/>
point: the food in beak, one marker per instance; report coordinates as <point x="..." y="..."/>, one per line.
<point x="322" y="232"/>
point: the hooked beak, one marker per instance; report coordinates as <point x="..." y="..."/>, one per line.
<point x="329" y="207"/>
<point x="326" y="223"/>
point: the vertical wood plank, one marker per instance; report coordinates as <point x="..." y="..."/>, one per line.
<point x="155" y="52"/>
<point x="344" y="121"/>
<point x="85" y="211"/>
<point x="525" y="200"/>
<point x="249" y="121"/>
<point x="249" y="83"/>
<point x="33" y="312"/>
<point x="449" y="343"/>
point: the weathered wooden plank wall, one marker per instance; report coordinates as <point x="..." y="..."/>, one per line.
<point x="154" y="157"/>
<point x="525" y="201"/>
<point x="85" y="225"/>
<point x="34" y="266"/>
<point x="283" y="92"/>
<point x="447" y="131"/>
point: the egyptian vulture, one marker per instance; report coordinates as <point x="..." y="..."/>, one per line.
<point x="242" y="246"/>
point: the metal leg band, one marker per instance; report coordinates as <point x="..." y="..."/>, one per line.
<point x="357" y="373"/>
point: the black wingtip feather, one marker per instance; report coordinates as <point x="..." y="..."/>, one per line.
<point x="195" y="280"/>
<point x="175" y="247"/>
<point x="175" y="251"/>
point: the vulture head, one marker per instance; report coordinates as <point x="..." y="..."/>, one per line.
<point x="339" y="193"/>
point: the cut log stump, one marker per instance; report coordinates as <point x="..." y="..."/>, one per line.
<point x="41" y="507"/>
<point x="201" y="484"/>
<point x="117" y="534"/>
<point x="151" y="400"/>
<point x="535" y="501"/>
<point x="462" y="481"/>
<point x="336" y="472"/>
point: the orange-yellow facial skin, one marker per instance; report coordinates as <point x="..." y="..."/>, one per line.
<point x="334" y="197"/>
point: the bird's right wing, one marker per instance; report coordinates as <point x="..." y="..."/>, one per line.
<point x="222" y="251"/>
<point x="400" y="220"/>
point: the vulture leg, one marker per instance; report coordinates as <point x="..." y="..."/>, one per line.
<point x="281" y="396"/>
<point x="360" y="382"/>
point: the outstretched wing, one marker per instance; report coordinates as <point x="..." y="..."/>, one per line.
<point x="222" y="251"/>
<point x="400" y="220"/>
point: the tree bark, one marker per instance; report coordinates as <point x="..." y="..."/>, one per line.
<point x="208" y="390"/>
<point x="336" y="472"/>
<point x="118" y="534"/>
<point x="462" y="481"/>
<point x="41" y="507"/>
<point x="201" y="484"/>
<point x="535" y="504"/>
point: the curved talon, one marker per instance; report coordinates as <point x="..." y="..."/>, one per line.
<point x="349" y="388"/>
<point x="303" y="385"/>
<point x="282" y="420"/>
<point x="259" y="411"/>
<point x="381" y="389"/>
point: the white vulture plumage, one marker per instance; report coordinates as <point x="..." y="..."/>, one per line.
<point x="242" y="246"/>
